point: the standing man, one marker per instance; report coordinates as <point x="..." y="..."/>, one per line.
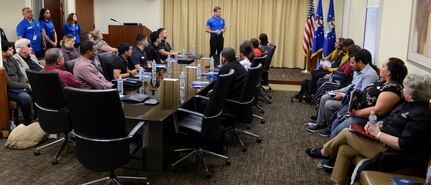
<point x="216" y="26"/>
<point x="31" y="29"/>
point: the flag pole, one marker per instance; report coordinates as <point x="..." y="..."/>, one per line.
<point x="306" y="60"/>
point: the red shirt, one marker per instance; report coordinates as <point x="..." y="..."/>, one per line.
<point x="257" y="52"/>
<point x="65" y="76"/>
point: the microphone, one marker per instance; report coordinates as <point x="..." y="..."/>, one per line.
<point x="116" y="21"/>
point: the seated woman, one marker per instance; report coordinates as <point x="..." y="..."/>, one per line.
<point x="68" y="49"/>
<point x="256" y="49"/>
<point x="246" y="54"/>
<point x="406" y="129"/>
<point x="16" y="83"/>
<point x="101" y="45"/>
<point x="380" y="97"/>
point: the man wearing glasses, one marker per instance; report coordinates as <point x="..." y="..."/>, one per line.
<point x="25" y="59"/>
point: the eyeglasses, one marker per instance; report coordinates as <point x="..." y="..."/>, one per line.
<point x="29" y="45"/>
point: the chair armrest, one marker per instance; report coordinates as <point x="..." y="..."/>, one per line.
<point x="240" y="103"/>
<point x="202" y="97"/>
<point x="137" y="127"/>
<point x="191" y="112"/>
<point x="101" y="140"/>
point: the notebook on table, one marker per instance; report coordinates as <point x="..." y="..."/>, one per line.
<point x="402" y="181"/>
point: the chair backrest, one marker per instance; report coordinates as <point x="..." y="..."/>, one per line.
<point x="98" y="115"/>
<point x="47" y="89"/>
<point x="271" y="52"/>
<point x="259" y="60"/>
<point x="211" y="127"/>
<point x="106" y="61"/>
<point x="254" y="74"/>
<point x="68" y="65"/>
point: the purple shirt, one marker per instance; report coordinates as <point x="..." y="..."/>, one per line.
<point x="65" y="76"/>
<point x="88" y="74"/>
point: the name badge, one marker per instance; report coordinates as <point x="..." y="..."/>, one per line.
<point x="29" y="28"/>
<point x="142" y="57"/>
<point x="34" y="37"/>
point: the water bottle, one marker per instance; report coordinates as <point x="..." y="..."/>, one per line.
<point x="372" y="118"/>
<point x="428" y="179"/>
<point x="153" y="74"/>
<point x="120" y="85"/>
<point x="198" y="72"/>
<point x="12" y="125"/>
<point x="184" y="53"/>
<point x="212" y="64"/>
<point x="193" y="50"/>
<point x="182" y="87"/>
<point x="141" y="74"/>
<point x="169" y="66"/>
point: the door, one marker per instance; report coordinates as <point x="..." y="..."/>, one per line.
<point x="56" y="9"/>
<point x="85" y="12"/>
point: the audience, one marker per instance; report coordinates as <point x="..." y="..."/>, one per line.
<point x="30" y="29"/>
<point x="256" y="49"/>
<point x="246" y="54"/>
<point x="120" y="66"/>
<point x="25" y="59"/>
<point x="101" y="45"/>
<point x="86" y="72"/>
<point x="229" y="62"/>
<point x="72" y="27"/>
<point x="264" y="43"/>
<point x="152" y="51"/>
<point x="54" y="60"/>
<point x="48" y="31"/>
<point x="67" y="46"/>
<point x="406" y="129"/>
<point x="139" y="57"/>
<point x="16" y="81"/>
<point x="164" y="47"/>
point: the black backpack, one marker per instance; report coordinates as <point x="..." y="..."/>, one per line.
<point x="305" y="92"/>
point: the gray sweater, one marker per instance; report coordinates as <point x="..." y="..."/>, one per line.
<point x="14" y="78"/>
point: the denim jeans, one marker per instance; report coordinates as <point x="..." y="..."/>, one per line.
<point x="24" y="101"/>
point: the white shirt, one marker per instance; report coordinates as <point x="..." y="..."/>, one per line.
<point x="246" y="63"/>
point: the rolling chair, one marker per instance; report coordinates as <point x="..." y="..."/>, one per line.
<point x="265" y="73"/>
<point x="204" y="124"/>
<point x="106" y="61"/>
<point x="259" y="60"/>
<point x="242" y="111"/>
<point x="68" y="65"/>
<point x="102" y="141"/>
<point x="51" y="106"/>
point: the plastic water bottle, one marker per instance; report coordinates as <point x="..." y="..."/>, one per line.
<point x="372" y="118"/>
<point x="198" y="72"/>
<point x="182" y="87"/>
<point x="141" y="74"/>
<point x="193" y="50"/>
<point x="212" y="64"/>
<point x="428" y="179"/>
<point x="153" y="74"/>
<point x="169" y="66"/>
<point x="120" y="85"/>
<point x="184" y="53"/>
<point x="12" y="125"/>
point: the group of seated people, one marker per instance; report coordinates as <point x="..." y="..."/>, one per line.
<point x="401" y="102"/>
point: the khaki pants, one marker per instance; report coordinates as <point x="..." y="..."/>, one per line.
<point x="347" y="145"/>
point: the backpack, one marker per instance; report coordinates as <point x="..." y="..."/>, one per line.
<point x="305" y="92"/>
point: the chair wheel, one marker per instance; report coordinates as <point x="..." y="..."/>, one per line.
<point x="269" y="102"/>
<point x="36" y="152"/>
<point x="262" y="121"/>
<point x="244" y="150"/>
<point x="262" y="111"/>
<point x="147" y="183"/>
<point x="228" y="163"/>
<point x="173" y="170"/>
<point x="54" y="162"/>
<point x="270" y="88"/>
<point x="208" y="175"/>
<point x="258" y="140"/>
<point x="247" y="127"/>
<point x="270" y="97"/>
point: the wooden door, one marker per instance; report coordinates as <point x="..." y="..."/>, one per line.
<point x="85" y="11"/>
<point x="56" y="9"/>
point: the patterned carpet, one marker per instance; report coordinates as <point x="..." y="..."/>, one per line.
<point x="279" y="159"/>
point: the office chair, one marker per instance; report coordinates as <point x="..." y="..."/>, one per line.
<point x="265" y="72"/>
<point x="102" y="141"/>
<point x="68" y="65"/>
<point x="47" y="89"/>
<point x="204" y="124"/>
<point x="242" y="111"/>
<point x="259" y="60"/>
<point x="106" y="61"/>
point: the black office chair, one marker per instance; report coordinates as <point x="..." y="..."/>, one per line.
<point x="259" y="60"/>
<point x="68" y="65"/>
<point x="265" y="72"/>
<point x="102" y="141"/>
<point x="51" y="106"/>
<point x="106" y="60"/>
<point x="242" y="111"/>
<point x="204" y="124"/>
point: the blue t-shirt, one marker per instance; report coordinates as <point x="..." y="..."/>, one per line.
<point x="49" y="28"/>
<point x="73" y="30"/>
<point x="31" y="31"/>
<point x="216" y="24"/>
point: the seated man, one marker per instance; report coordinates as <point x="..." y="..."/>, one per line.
<point x="86" y="72"/>
<point x="164" y="47"/>
<point x="364" y="75"/>
<point x="25" y="59"/>
<point x="139" y="57"/>
<point x="229" y="62"/>
<point x="17" y="85"/>
<point x="152" y="51"/>
<point x="54" y="61"/>
<point x="119" y="66"/>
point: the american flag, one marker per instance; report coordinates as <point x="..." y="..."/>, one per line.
<point x="310" y="25"/>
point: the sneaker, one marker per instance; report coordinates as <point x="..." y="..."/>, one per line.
<point x="325" y="132"/>
<point x="315" y="128"/>
<point x="324" y="165"/>
<point x="315" y="153"/>
<point x="362" y="165"/>
<point x="309" y="124"/>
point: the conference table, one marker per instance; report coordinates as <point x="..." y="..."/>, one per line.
<point x="159" y="118"/>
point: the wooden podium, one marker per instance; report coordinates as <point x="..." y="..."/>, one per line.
<point x="4" y="105"/>
<point x="126" y="33"/>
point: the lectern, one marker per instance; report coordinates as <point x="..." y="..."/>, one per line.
<point x="126" y="33"/>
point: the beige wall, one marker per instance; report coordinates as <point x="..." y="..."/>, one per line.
<point x="11" y="15"/>
<point x="147" y="12"/>
<point x="357" y="21"/>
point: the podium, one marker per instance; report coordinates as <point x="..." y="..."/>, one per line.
<point x="126" y="33"/>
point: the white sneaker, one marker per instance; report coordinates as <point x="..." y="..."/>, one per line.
<point x="52" y="136"/>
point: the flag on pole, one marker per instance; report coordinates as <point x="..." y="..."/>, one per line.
<point x="310" y="25"/>
<point x="329" y="42"/>
<point x="318" y="33"/>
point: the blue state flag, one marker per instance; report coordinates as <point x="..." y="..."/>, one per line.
<point x="330" y="38"/>
<point x="318" y="32"/>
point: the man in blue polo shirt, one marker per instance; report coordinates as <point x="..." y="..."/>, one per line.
<point x="216" y="26"/>
<point x="31" y="29"/>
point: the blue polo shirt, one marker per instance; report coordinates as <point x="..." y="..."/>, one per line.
<point x="49" y="28"/>
<point x="31" y="31"/>
<point x="216" y="24"/>
<point x="73" y="30"/>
